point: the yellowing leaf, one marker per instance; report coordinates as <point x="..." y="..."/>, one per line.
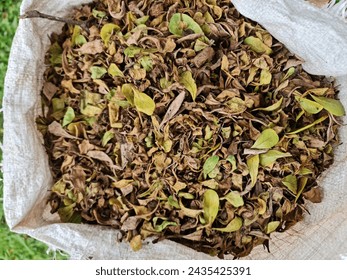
<point x="210" y="206"/>
<point x="271" y="108"/>
<point x="69" y="116"/>
<point x="291" y="183"/>
<point x="257" y="45"/>
<point x="98" y="14"/>
<point x="114" y="71"/>
<point x="268" y="158"/>
<point x="107" y="30"/>
<point x="107" y="137"/>
<point x="233" y="226"/>
<point x="309" y="126"/>
<point x="97" y="72"/>
<point x="267" y="139"/>
<point x="272" y="226"/>
<point x="318" y="91"/>
<point x="181" y="22"/>
<point x="187" y="80"/>
<point x="210" y="164"/>
<point x="333" y="106"/>
<point x="234" y="198"/>
<point x="143" y="103"/>
<point x="290" y="72"/>
<point x="77" y="38"/>
<point x="128" y="92"/>
<point x="253" y="166"/>
<point x="309" y="106"/>
<point x="136" y="243"/>
<point x="265" y="77"/>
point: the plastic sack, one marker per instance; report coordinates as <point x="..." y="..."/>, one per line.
<point x="318" y="36"/>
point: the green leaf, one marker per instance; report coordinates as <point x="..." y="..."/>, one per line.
<point x="232" y="160"/>
<point x="272" y="226"/>
<point x="143" y="103"/>
<point x="271" y="108"/>
<point x="97" y="72"/>
<point x="290" y="72"/>
<point x="147" y="63"/>
<point x="265" y="77"/>
<point x="107" y="137"/>
<point x="163" y="225"/>
<point x="267" y="139"/>
<point x="271" y="156"/>
<point x="210" y="206"/>
<point x="233" y="226"/>
<point x="234" y="198"/>
<point x="114" y="71"/>
<point x="141" y="20"/>
<point x="69" y="116"/>
<point x="253" y="166"/>
<point x="77" y="38"/>
<point x="187" y="80"/>
<point x="173" y="202"/>
<point x="257" y="45"/>
<point x="210" y="164"/>
<point x="309" y="126"/>
<point x="186" y="195"/>
<point x="131" y="51"/>
<point x="128" y="92"/>
<point x="302" y="184"/>
<point x="333" y="106"/>
<point x="309" y="106"/>
<point x="98" y="14"/>
<point x="55" y="52"/>
<point x="291" y="183"/>
<point x="181" y="22"/>
<point x="107" y="30"/>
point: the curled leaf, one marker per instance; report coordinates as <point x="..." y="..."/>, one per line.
<point x="181" y="22"/>
<point x="253" y="166"/>
<point x="257" y="45"/>
<point x="107" y="30"/>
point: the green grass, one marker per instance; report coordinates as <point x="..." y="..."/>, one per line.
<point x="13" y="246"/>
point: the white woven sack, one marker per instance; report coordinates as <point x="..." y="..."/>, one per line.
<point x="318" y="36"/>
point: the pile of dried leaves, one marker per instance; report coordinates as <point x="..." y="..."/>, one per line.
<point x="183" y="120"/>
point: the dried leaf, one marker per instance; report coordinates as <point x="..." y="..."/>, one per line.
<point x="173" y="108"/>
<point x="265" y="77"/>
<point x="271" y="108"/>
<point x="136" y="243"/>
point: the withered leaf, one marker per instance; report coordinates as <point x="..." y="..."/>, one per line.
<point x="107" y="31"/>
<point x="181" y="22"/>
<point x="93" y="47"/>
